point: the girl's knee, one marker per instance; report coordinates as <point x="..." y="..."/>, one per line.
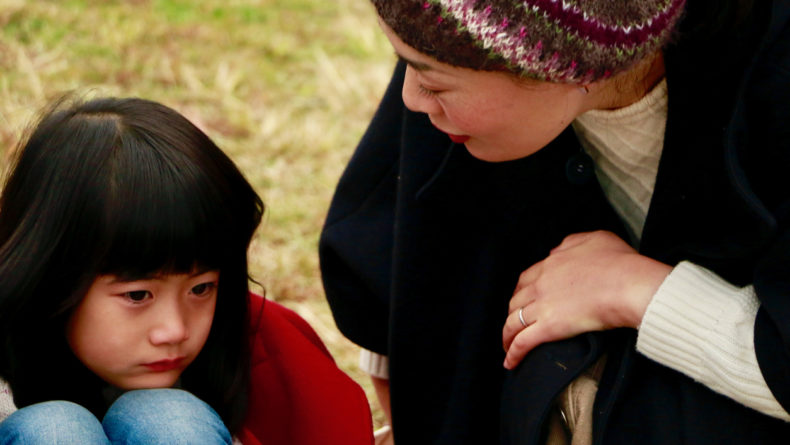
<point x="166" y="416"/>
<point x="52" y="422"/>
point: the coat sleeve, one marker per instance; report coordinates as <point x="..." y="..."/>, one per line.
<point x="357" y="239"/>
<point x="769" y="134"/>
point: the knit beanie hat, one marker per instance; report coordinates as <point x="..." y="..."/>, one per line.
<point x="569" y="41"/>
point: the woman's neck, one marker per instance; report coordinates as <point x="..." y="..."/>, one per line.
<point x="628" y="87"/>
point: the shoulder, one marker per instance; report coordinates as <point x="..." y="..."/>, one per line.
<point x="298" y="395"/>
<point x="277" y="326"/>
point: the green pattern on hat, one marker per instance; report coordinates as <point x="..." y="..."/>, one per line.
<point x="570" y="41"/>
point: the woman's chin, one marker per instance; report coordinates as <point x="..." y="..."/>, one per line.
<point x="488" y="153"/>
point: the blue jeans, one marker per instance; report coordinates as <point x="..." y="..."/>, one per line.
<point x="148" y="416"/>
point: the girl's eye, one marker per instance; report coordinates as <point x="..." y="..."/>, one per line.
<point x="137" y="296"/>
<point x="426" y="92"/>
<point x="203" y="288"/>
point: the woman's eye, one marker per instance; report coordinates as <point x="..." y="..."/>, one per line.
<point x="426" y="92"/>
<point x="137" y="296"/>
<point x="203" y="288"/>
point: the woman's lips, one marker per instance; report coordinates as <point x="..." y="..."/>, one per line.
<point x="458" y="139"/>
<point x="164" y="365"/>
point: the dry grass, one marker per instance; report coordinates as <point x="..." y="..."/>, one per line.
<point x="286" y="87"/>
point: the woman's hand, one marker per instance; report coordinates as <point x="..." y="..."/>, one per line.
<point x="592" y="281"/>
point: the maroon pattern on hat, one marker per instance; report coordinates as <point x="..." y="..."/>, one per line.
<point x="572" y="41"/>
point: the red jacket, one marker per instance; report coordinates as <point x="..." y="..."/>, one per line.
<point x="298" y="395"/>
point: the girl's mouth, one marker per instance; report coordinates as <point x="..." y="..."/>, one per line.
<point x="458" y="139"/>
<point x="164" y="365"/>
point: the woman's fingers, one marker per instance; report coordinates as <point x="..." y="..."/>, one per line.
<point x="527" y="278"/>
<point x="591" y="281"/>
<point x="573" y="240"/>
<point x="525" y="340"/>
<point x="517" y="321"/>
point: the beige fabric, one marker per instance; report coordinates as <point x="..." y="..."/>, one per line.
<point x="571" y="420"/>
<point x="558" y="433"/>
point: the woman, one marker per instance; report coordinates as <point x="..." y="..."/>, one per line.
<point x="649" y="309"/>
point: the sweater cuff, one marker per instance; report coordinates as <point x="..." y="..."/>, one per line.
<point x="376" y="365"/>
<point x="703" y="326"/>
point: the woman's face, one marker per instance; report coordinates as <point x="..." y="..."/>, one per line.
<point x="497" y="117"/>
<point x="143" y="333"/>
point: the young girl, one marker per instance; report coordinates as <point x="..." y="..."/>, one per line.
<point x="123" y="256"/>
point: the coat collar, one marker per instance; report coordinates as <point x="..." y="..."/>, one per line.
<point x="700" y="210"/>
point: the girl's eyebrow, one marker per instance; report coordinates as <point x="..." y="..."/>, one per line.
<point x="128" y="278"/>
<point x="419" y="66"/>
<point x="155" y="276"/>
<point x="201" y="271"/>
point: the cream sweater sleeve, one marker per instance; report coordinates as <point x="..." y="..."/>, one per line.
<point x="374" y="364"/>
<point x="703" y="326"/>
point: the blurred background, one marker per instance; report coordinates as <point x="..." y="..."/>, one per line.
<point x="285" y="87"/>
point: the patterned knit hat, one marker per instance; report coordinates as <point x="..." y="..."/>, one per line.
<point x="569" y="41"/>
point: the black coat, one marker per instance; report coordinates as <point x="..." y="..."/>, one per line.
<point x="423" y="246"/>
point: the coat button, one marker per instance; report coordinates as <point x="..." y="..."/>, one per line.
<point x="579" y="169"/>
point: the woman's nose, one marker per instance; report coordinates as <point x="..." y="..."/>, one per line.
<point x="170" y="326"/>
<point x="416" y="100"/>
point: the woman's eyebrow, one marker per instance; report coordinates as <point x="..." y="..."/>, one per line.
<point x="419" y="66"/>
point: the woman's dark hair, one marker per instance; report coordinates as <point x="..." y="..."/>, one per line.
<point x="126" y="187"/>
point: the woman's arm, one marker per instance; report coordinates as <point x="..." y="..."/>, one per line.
<point x="382" y="388"/>
<point x="377" y="367"/>
<point x="693" y="321"/>
<point x="709" y="337"/>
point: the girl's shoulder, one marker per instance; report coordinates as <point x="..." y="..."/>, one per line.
<point x="266" y="314"/>
<point x="298" y="395"/>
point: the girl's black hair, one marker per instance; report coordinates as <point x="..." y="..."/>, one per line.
<point x="131" y="188"/>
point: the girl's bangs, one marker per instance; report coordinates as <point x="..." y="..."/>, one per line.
<point x="163" y="217"/>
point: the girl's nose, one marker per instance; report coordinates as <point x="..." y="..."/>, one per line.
<point x="416" y="100"/>
<point x="170" y="328"/>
